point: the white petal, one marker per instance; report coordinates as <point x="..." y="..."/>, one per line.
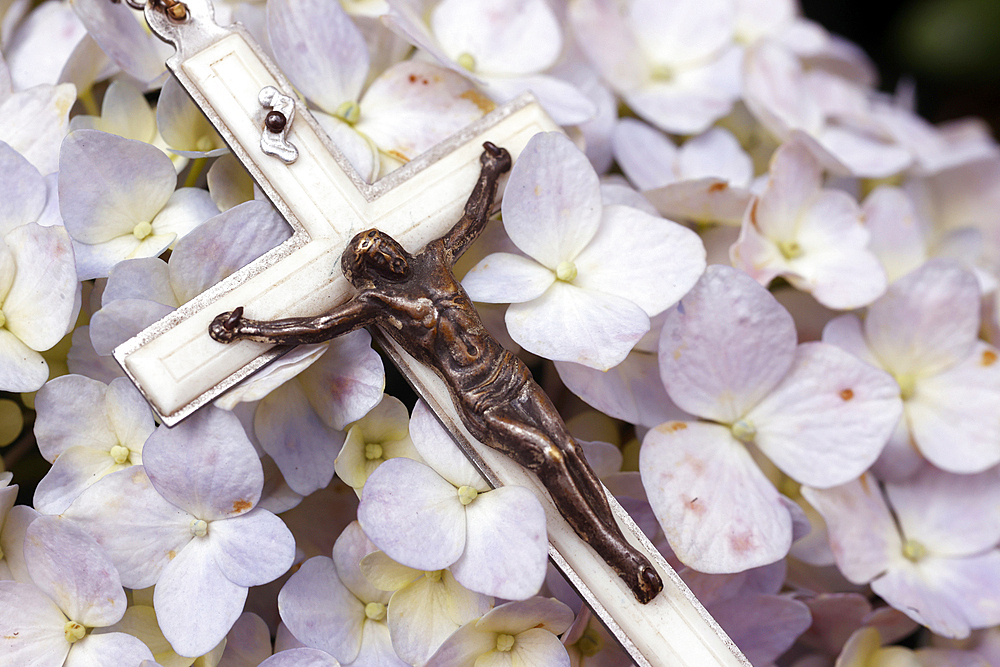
<point x="650" y="261"/>
<point x="827" y="420"/>
<point x="507" y="278"/>
<point x="552" y="203"/>
<point x="846" y="333"/>
<point x="927" y="320"/>
<point x="145" y="278"/>
<point x="866" y="156"/>
<point x="795" y="179"/>
<point x="31" y="626"/>
<point x="42" y="301"/>
<point x="863" y="535"/>
<point x="71" y="567"/>
<point x="320" y="611"/>
<point x="718" y="511"/>
<point x="22" y="368"/>
<point x="702" y="200"/>
<point x="109" y="184"/>
<point x="195" y="603"/>
<point x="414" y="105"/>
<point x="26" y="190"/>
<point x="75" y="470"/>
<point x="352" y="547"/>
<point x="413" y="515"/>
<point x="186" y="209"/>
<point x="537" y="612"/>
<point x="290" y="431"/>
<point x="224" y="244"/>
<point x="725" y="346"/>
<point x="34" y="122"/>
<point x="569" y="323"/>
<point x="646" y="155"/>
<point x="143" y="534"/>
<point x="301" y="657"/>
<point x="252" y="549"/>
<point x="213" y="442"/>
<point x="439" y="450"/>
<point x="347" y="382"/>
<point x="120" y="320"/>
<point x="564" y="102"/>
<point x="181" y="123"/>
<point x="506" y="546"/>
<point x="675" y="32"/>
<point x="123" y="38"/>
<point x="944" y="512"/>
<point x="108" y="648"/>
<point x="716" y="153"/>
<point x="523" y="38"/>
<point x="631" y="391"/>
<point x="952" y="415"/>
<point x="320" y="50"/>
<point x="70" y="412"/>
<point x="897" y="237"/>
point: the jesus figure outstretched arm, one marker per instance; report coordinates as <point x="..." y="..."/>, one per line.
<point x="353" y="314"/>
<point x="495" y="162"/>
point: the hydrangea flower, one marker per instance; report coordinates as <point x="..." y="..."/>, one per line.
<point x="118" y="200"/>
<point x="924" y="547"/>
<point x="39" y="301"/>
<point x="329" y="605"/>
<point x="47" y="621"/>
<point x="514" y="633"/>
<point x="924" y="331"/>
<point x="811" y="236"/>
<point x="198" y="537"/>
<point x="592" y="275"/>
<point x="728" y="354"/>
<point x="444" y="514"/>
<point x="87" y="430"/>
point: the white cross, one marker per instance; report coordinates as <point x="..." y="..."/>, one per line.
<point x="179" y="368"/>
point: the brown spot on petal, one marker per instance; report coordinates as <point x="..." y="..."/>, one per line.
<point x="484" y="103"/>
<point x="717" y="187"/>
<point x="696" y="507"/>
<point x="846" y="394"/>
<point x="399" y="156"/>
<point x="242" y="506"/>
<point x="171" y="554"/>
<point x="741" y="542"/>
<point x="753" y="214"/>
<point x="413" y="78"/>
<point x="864" y="483"/>
<point x="989" y="358"/>
<point x="673" y="427"/>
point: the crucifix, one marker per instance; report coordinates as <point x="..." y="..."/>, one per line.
<point x="179" y="368"/>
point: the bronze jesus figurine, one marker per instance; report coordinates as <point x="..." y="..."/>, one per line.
<point x="419" y="303"/>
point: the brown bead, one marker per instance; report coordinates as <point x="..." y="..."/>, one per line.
<point x="275" y="122"/>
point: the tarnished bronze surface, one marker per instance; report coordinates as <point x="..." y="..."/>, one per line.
<point x="419" y="303"/>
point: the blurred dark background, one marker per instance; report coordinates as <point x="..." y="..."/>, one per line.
<point x="950" y="48"/>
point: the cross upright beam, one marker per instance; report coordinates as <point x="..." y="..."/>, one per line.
<point x="179" y="368"/>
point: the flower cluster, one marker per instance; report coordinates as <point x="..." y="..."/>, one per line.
<point x="763" y="293"/>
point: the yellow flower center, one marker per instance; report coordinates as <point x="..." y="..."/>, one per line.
<point x="590" y="643"/>
<point x="373" y="451"/>
<point x="907" y="385"/>
<point x="433" y="576"/>
<point x="74" y="631"/>
<point x="205" y="143"/>
<point x="466" y="494"/>
<point x="744" y="431"/>
<point x="790" y="249"/>
<point x="505" y="642"/>
<point x="914" y="550"/>
<point x="662" y="73"/>
<point x="349" y="112"/>
<point x="120" y="454"/>
<point x="142" y="230"/>
<point x="375" y="611"/>
<point x="467" y="61"/>
<point x="566" y="271"/>
<point x="199" y="528"/>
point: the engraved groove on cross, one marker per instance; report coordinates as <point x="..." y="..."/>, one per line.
<point x="179" y="368"/>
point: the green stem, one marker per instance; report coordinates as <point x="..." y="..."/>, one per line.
<point x="89" y="103"/>
<point x="194" y="171"/>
